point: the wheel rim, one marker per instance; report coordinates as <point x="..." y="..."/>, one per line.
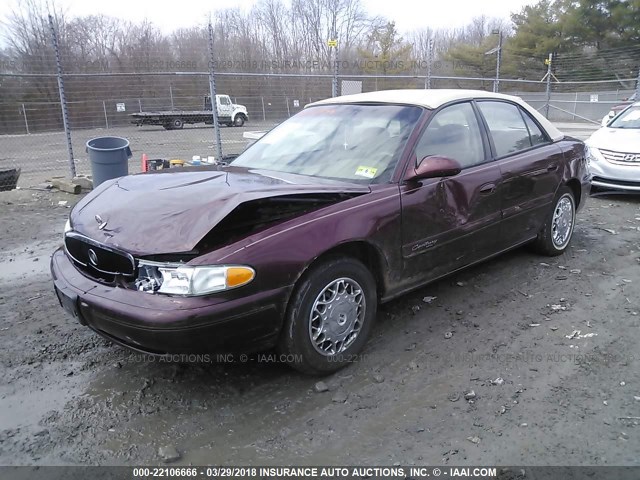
<point x="239" y="121"/>
<point x="562" y="223"/>
<point x="336" y="316"/>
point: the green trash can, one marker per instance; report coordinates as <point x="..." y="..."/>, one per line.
<point x="109" y="158"/>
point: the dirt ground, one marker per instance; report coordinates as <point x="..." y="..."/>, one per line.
<point x="539" y="397"/>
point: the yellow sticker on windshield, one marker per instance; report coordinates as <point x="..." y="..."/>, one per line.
<point x="368" y="172"/>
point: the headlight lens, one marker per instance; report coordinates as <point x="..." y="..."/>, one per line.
<point x="187" y="280"/>
<point x="591" y="154"/>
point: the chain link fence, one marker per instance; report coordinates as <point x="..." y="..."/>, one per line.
<point x="35" y="98"/>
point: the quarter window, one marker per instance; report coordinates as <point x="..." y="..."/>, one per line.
<point x="506" y="126"/>
<point x="537" y="137"/>
<point x="453" y="132"/>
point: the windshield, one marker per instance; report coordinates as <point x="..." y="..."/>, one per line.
<point x="630" y="118"/>
<point x="345" y="142"/>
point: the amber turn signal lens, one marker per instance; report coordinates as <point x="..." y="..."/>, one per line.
<point x="238" y="276"/>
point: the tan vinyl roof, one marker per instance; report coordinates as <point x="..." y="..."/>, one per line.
<point x="435" y="98"/>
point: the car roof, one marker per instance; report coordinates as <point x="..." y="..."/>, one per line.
<point x="435" y="98"/>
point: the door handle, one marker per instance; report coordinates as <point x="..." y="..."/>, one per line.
<point x="487" y="188"/>
<point x="552" y="168"/>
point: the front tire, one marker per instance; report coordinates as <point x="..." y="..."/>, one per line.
<point x="555" y="236"/>
<point x="329" y="316"/>
<point x="239" y="120"/>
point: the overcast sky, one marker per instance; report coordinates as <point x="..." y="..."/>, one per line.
<point x="408" y="14"/>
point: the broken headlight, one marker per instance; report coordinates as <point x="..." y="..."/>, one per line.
<point x="176" y="279"/>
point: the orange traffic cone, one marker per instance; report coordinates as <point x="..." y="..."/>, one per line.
<point x="145" y="162"/>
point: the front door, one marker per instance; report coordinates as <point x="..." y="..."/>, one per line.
<point x="448" y="223"/>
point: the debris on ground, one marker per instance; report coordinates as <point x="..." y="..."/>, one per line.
<point x="169" y="454"/>
<point x="557" y="307"/>
<point x="475" y="440"/>
<point x="448" y="335"/>
<point x="470" y="395"/>
<point x="415" y="309"/>
<point x="378" y="378"/>
<point x="453" y="397"/>
<point x="461" y="284"/>
<point x="64" y="185"/>
<point x="339" y="397"/>
<point x="428" y="299"/>
<point x="321" y="387"/>
<point x="497" y="381"/>
<point x="577" y="334"/>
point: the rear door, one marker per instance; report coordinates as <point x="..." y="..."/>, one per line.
<point x="451" y="222"/>
<point x="531" y="168"/>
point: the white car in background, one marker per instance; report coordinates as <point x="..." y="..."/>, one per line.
<point x="614" y="152"/>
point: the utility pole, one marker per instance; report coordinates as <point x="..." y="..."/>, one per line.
<point x="212" y="92"/>
<point x="548" y="76"/>
<point x="333" y="43"/>
<point x="427" y="81"/>
<point x="63" y="98"/>
<point x="638" y="86"/>
<point x="496" y="84"/>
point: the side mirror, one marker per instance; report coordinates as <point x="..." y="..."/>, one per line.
<point x="433" y="167"/>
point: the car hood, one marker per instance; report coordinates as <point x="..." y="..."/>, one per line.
<point x="170" y="212"/>
<point x="626" y="140"/>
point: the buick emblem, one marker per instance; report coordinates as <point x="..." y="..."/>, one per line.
<point x="93" y="258"/>
<point x="101" y="223"/>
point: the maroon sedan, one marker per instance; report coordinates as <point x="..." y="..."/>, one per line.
<point x="354" y="201"/>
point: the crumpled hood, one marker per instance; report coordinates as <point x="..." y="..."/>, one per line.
<point x="625" y="140"/>
<point x="171" y="211"/>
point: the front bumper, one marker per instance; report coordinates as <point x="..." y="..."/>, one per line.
<point x="161" y="324"/>
<point x="614" y="175"/>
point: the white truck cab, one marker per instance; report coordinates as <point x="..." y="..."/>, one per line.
<point x="230" y="113"/>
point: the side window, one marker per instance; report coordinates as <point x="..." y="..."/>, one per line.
<point x="453" y="132"/>
<point x="506" y="126"/>
<point x="224" y="100"/>
<point x="537" y="137"/>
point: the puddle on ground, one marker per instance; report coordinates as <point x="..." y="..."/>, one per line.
<point x="23" y="407"/>
<point x="27" y="261"/>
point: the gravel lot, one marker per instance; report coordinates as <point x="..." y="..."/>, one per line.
<point x="41" y="156"/>
<point x="549" y="348"/>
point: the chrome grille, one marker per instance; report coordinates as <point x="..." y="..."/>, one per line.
<point x="93" y="256"/>
<point x="621" y="157"/>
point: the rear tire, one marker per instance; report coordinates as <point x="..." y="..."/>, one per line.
<point x="176" y="124"/>
<point x="329" y="316"/>
<point x="555" y="236"/>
